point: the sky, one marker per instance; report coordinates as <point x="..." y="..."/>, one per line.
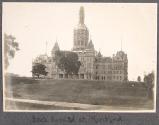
<point x="109" y="24"/>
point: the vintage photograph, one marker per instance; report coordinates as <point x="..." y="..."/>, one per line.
<point x="86" y="57"/>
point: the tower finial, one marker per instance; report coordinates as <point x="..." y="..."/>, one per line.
<point x="81" y="15"/>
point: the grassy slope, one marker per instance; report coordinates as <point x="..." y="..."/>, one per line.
<point x="80" y="91"/>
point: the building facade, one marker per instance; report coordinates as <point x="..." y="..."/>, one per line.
<point x="94" y="66"/>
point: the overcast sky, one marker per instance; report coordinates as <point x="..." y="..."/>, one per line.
<point x="35" y="23"/>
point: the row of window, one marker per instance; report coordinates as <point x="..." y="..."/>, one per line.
<point x="117" y="77"/>
<point x="80" y="43"/>
<point x="85" y="59"/>
<point x="108" y="78"/>
<point x="80" y="37"/>
<point x="103" y="78"/>
<point x="103" y="66"/>
<point x="81" y="32"/>
<point x="109" y="67"/>
<point x="110" y="72"/>
<point x="117" y="72"/>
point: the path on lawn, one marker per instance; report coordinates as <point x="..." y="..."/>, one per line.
<point x="67" y="104"/>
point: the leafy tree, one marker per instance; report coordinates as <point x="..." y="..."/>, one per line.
<point x="10" y="47"/>
<point x="139" y="79"/>
<point x="39" y="69"/>
<point x="149" y="83"/>
<point x="42" y="59"/>
<point x="67" y="62"/>
<point x="149" y="79"/>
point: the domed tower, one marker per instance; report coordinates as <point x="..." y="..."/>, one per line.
<point x="81" y="34"/>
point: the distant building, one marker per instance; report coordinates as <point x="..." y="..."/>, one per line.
<point x="93" y="65"/>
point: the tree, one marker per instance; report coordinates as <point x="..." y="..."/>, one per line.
<point x="149" y="83"/>
<point x="149" y="79"/>
<point x="67" y="62"/>
<point x="139" y="79"/>
<point x="10" y="47"/>
<point x="39" y="69"/>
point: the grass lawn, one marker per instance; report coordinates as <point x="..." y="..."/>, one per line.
<point x="80" y="91"/>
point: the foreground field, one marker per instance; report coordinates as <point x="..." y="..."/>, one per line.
<point x="117" y="94"/>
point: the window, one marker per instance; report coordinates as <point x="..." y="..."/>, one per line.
<point x="97" y="77"/>
<point x="120" y="77"/>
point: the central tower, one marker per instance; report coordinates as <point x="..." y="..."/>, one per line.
<point x="81" y="34"/>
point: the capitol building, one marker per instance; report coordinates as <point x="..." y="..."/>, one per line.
<point x="94" y="66"/>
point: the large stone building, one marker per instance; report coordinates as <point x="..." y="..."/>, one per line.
<point x="93" y="65"/>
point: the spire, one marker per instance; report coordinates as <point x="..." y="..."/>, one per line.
<point x="81" y="15"/>
<point x="56" y="47"/>
<point x="90" y="45"/>
<point x="99" y="54"/>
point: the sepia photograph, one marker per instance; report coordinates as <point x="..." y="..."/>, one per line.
<point x="79" y="57"/>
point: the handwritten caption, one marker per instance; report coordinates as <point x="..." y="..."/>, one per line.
<point x="76" y="119"/>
